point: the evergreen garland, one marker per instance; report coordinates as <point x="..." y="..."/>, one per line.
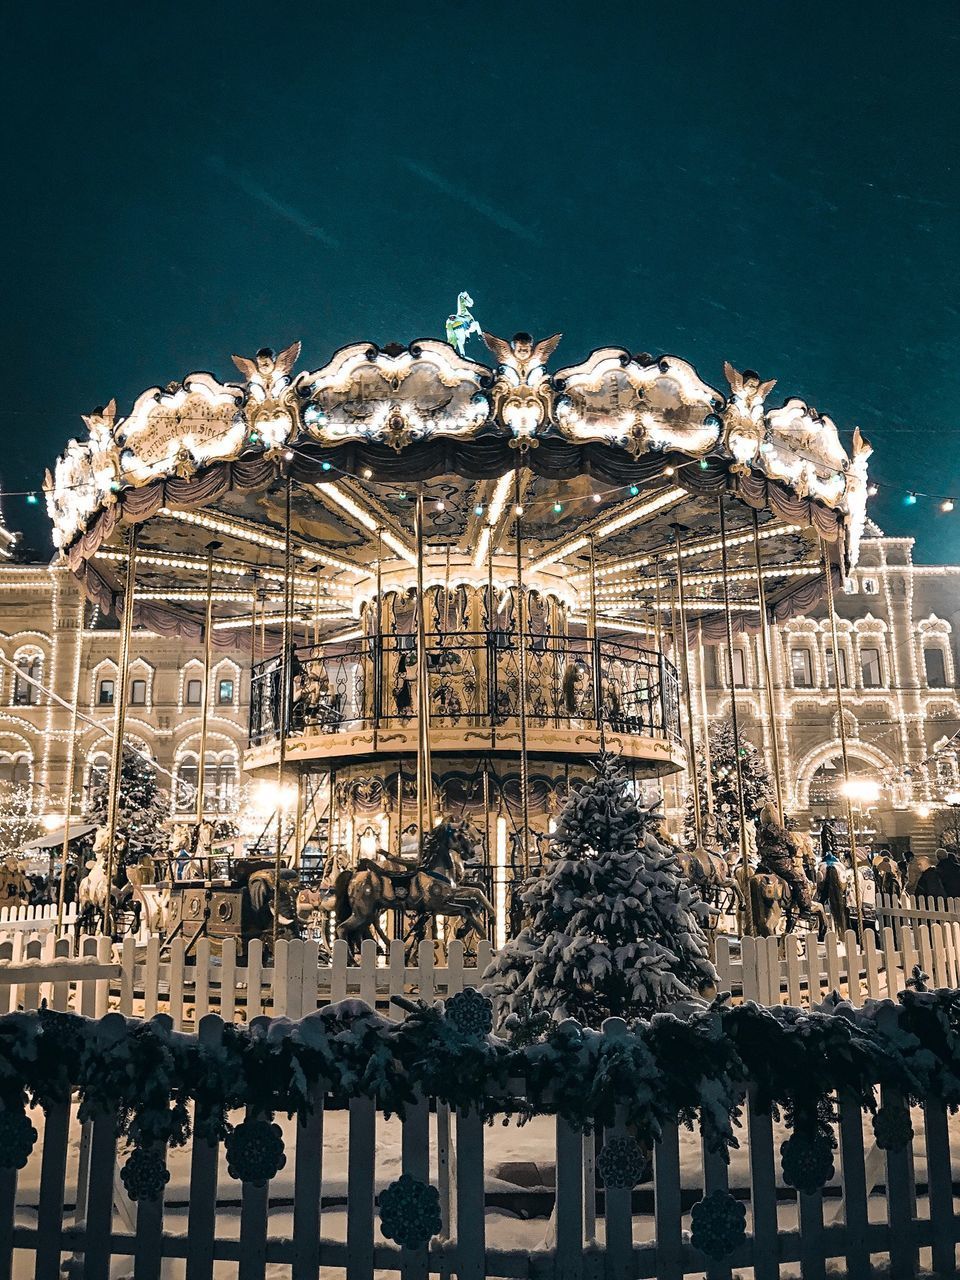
<point x="615" y="928"/>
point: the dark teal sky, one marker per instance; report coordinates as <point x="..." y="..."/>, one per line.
<point x="772" y="182"/>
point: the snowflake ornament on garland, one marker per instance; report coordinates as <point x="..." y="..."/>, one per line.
<point x="621" y="1163"/>
<point x="470" y="1013"/>
<point x="17" y="1136"/>
<point x="145" y="1174"/>
<point x="410" y="1212"/>
<point x="718" y="1224"/>
<point x="807" y="1161"/>
<point x="255" y="1152"/>
<point x="892" y="1127"/>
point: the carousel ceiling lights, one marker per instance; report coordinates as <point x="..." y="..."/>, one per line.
<point x="259" y="537"/>
<point x="343" y="500"/>
<point x="662" y="502"/>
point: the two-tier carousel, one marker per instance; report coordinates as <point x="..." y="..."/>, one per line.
<point x="455" y="583"/>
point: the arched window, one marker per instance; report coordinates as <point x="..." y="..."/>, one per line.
<point x="220" y="778"/>
<point x="801" y="667"/>
<point x="98" y="774"/>
<point x="29" y="664"/>
<point x="16" y="769"/>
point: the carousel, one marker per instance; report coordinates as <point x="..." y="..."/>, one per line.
<point x="455" y="581"/>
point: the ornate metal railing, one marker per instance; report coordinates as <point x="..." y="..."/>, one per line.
<point x="474" y="680"/>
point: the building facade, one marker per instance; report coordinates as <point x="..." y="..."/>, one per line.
<point x="898" y="657"/>
<point x="54" y="648"/>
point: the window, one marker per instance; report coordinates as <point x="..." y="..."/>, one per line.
<point x="850" y="587"/>
<point x="801" y="668"/>
<point x="105" y="692"/>
<point x="225" y="693"/>
<point x="25" y="693"/>
<point x="15" y="770"/>
<point x="870" y="669"/>
<point x="828" y="666"/>
<point x="194" y="693"/>
<point x="97" y="775"/>
<point x="219" y="785"/>
<point x="870" y="587"/>
<point x="739" y="669"/>
<point x="935" y="667"/>
<point x="138" y="693"/>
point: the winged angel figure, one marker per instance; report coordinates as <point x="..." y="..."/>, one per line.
<point x="522" y="395"/>
<point x="267" y="375"/>
<point x="743" y="417"/>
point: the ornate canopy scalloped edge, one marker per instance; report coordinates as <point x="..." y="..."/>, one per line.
<point x="415" y="410"/>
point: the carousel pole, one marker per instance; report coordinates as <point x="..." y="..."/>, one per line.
<point x="768" y="670"/>
<point x="707" y="763"/>
<point x="424" y="762"/>
<point x="285" y="691"/>
<point x="377" y="665"/>
<point x="253" y="624"/>
<point x="116" y="764"/>
<point x="678" y="530"/>
<point x="595" y="647"/>
<point x="835" y="646"/>
<point x="734" y="720"/>
<point x="522" y="673"/>
<point x="491" y="652"/>
<point x="68" y="785"/>
<point x="205" y="691"/>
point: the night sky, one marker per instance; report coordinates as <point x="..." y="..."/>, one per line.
<point x="773" y="183"/>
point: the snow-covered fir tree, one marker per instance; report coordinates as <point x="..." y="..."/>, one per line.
<point x="757" y="787"/>
<point x="142" y="810"/>
<point x="614" y="930"/>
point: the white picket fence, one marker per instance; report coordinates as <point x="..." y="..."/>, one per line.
<point x="321" y="1210"/>
<point x="35" y="919"/>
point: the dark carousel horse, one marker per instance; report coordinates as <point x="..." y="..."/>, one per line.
<point x="432" y="886"/>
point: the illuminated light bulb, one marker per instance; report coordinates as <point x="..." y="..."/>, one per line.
<point x="441" y="506"/>
<point x="32" y="499"/>
<point x="326" y="466"/>
<point x="634" y="490"/>
<point x="402" y="494"/>
<point x="367" y="473"/>
<point x="596" y="497"/>
<point x="947" y="504"/>
<point x="704" y="464"/>
<point x="910" y="499"/>
<point x="288" y="455"/>
<point x="478" y="509"/>
<point x="872" y="490"/>
<point x="518" y="510"/>
<point x="558" y="507"/>
<point x="669" y="471"/>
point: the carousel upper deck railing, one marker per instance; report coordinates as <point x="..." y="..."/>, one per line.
<point x="474" y="678"/>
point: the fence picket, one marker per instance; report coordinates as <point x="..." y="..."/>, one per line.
<point x="851" y="949"/>
<point x="201" y="980"/>
<point x="202" y="1211"/>
<point x="254" y="979"/>
<point x="254" y="1206"/>
<point x="901" y="1201"/>
<point x="415" y="1148"/>
<point x="176" y="965"/>
<point x="855" y="1190"/>
<point x="568" y="1206"/>
<point x="871" y="964"/>
<point x="617" y="1201"/>
<point x="98" y="1218"/>
<point x="792" y="957"/>
<point x="763" y="1191"/>
<point x="50" y="1206"/>
<point x="940" y="1184"/>
<point x="667" y="1204"/>
<point x="716" y="1175"/>
<point x="228" y="980"/>
<point x="361" y="1146"/>
<point x="8" y="1208"/>
<point x="832" y="958"/>
<point x="811" y="967"/>
<point x="308" y="1184"/>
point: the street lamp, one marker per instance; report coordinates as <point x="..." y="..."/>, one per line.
<point x="865" y="791"/>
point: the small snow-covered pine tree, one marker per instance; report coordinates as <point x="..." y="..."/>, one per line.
<point x="142" y="809"/>
<point x="615" y="929"/>
<point x="757" y="787"/>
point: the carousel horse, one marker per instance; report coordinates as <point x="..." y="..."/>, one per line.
<point x="432" y="887"/>
<point x="262" y="895"/>
<point x="461" y="325"/>
<point x="833" y="892"/>
<point x="768" y="895"/>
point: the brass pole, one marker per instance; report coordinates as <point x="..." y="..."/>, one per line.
<point x="205" y="690"/>
<point x="688" y="692"/>
<point x="767" y="670"/>
<point x="522" y="673"/>
<point x="285" y="691"/>
<point x="424" y="762"/>
<point x="707" y="763"/>
<point x="253" y="624"/>
<point x="491" y="652"/>
<point x="734" y="721"/>
<point x="120" y="715"/>
<point x="377" y="664"/>
<point x="595" y="647"/>
<point x="835" y="645"/>
<point x="71" y="768"/>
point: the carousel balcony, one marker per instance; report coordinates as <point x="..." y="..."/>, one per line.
<point x="358" y="698"/>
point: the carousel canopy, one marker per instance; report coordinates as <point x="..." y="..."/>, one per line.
<point x="613" y="453"/>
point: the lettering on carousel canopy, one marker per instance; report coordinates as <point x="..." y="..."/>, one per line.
<point x="179" y="430"/>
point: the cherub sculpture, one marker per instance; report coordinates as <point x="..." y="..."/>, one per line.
<point x="522" y="395"/>
<point x="268" y="373"/>
<point x="743" y="416"/>
<point x="462" y="324"/>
